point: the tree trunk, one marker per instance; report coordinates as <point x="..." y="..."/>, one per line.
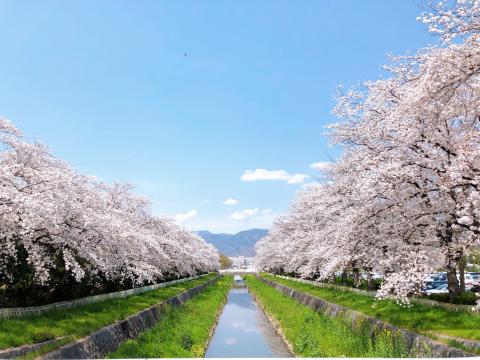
<point x="452" y="258"/>
<point x="461" y="271"/>
<point x="369" y="278"/>
<point x="344" y="276"/>
<point x="370" y="281"/>
<point x="356" y="274"/>
<point x="453" y="285"/>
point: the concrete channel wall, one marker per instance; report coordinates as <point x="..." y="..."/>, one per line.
<point x="8" y="313"/>
<point x="107" y="339"/>
<point x="417" y="345"/>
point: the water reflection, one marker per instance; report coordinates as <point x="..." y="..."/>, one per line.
<point x="243" y="330"/>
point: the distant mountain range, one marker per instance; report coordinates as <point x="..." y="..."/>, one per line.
<point x="241" y="243"/>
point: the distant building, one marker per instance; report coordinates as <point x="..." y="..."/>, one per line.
<point x="241" y="262"/>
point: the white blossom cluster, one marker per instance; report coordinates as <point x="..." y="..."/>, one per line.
<point x="404" y="197"/>
<point x="52" y="217"/>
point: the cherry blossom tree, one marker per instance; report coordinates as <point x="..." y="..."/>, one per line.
<point x="403" y="198"/>
<point x="56" y="223"/>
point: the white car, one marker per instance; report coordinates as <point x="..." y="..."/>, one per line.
<point x="377" y="276"/>
<point x="468" y="279"/>
<point x="442" y="289"/>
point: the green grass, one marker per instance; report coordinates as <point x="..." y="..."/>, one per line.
<point x="419" y="318"/>
<point x="80" y="321"/>
<point x="313" y="334"/>
<point x="185" y="330"/>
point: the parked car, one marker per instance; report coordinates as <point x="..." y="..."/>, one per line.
<point x="374" y="276"/>
<point x="430" y="277"/>
<point x="429" y="285"/>
<point x="442" y="289"/>
<point x="440" y="277"/>
<point x="468" y="279"/>
<point x="377" y="276"/>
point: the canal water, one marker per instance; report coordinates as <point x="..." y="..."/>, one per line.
<point x="243" y="330"/>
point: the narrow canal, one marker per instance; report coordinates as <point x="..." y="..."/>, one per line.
<point x="243" y="330"/>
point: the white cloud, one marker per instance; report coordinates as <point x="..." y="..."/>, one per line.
<point x="242" y="215"/>
<point x="297" y="178"/>
<point x="181" y="218"/>
<point x="266" y="211"/>
<point x="321" y="165"/>
<point x="230" y="201"/>
<point x="264" y="174"/>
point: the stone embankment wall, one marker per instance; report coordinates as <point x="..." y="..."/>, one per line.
<point x="417" y="345"/>
<point x="6" y="313"/>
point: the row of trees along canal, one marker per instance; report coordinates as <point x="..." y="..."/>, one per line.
<point x="404" y="198"/>
<point x="66" y="235"/>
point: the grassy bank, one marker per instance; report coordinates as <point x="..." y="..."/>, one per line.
<point x="184" y="332"/>
<point x="419" y="318"/>
<point x="78" y="322"/>
<point x="312" y="334"/>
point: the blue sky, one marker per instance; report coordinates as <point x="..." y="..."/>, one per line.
<point x="107" y="86"/>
